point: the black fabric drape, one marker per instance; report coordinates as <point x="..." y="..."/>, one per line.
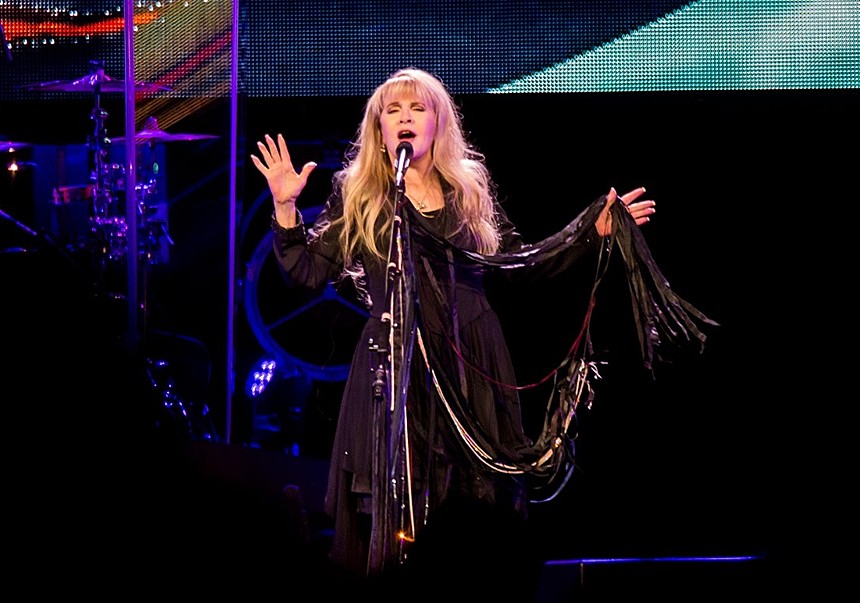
<point x="662" y="319"/>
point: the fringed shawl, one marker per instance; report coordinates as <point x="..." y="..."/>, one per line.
<point x="662" y="319"/>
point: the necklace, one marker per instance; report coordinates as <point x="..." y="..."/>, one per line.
<point x="423" y="203"/>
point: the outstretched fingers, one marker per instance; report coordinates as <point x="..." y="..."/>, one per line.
<point x="274" y="154"/>
<point x="631" y="196"/>
<point x="641" y="211"/>
<point x="283" y="152"/>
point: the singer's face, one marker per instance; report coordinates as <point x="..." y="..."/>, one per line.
<point x="406" y="117"/>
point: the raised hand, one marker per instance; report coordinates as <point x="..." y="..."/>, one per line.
<point x="284" y="182"/>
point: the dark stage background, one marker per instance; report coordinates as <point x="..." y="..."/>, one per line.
<point x="724" y="452"/>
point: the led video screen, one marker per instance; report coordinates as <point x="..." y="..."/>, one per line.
<point x="498" y="46"/>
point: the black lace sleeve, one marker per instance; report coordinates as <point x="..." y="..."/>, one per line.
<point x="309" y="257"/>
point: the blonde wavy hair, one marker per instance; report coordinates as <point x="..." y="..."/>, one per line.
<point x="367" y="179"/>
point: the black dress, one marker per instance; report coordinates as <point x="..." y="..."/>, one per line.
<point x="465" y="430"/>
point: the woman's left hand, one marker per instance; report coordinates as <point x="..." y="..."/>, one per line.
<point x="640" y="210"/>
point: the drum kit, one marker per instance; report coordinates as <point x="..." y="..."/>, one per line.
<point x="104" y="244"/>
<point x="106" y="189"/>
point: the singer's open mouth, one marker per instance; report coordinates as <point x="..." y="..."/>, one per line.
<point x="405" y="135"/>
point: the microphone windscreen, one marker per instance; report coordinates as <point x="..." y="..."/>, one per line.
<point x="405" y="146"/>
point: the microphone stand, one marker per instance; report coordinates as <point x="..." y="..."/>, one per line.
<point x="390" y="459"/>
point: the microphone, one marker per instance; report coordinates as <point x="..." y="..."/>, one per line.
<point x="402" y="157"/>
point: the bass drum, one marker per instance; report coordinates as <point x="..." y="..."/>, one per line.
<point x="311" y="335"/>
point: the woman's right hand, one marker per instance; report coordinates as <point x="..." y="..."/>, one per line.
<point x="285" y="183"/>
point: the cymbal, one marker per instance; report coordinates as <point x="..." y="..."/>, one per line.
<point x="156" y="135"/>
<point x="90" y="82"/>
<point x="11" y="147"/>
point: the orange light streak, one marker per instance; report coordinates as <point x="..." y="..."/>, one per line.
<point x="17" y="29"/>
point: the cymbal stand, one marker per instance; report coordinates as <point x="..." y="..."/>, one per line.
<point x="108" y="230"/>
<point x="99" y="144"/>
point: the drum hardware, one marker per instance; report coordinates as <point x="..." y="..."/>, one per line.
<point x="95" y="81"/>
<point x="107" y="189"/>
<point x="63" y="195"/>
<point x="107" y="231"/>
<point x="153" y="231"/>
<point x="110" y="232"/>
<point x="107" y="179"/>
<point x="187" y="419"/>
<point x="152" y="134"/>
